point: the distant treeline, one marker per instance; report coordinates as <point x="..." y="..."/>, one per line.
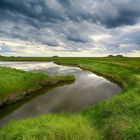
<point x="115" y="56"/>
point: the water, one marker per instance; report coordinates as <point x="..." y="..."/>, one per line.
<point x="88" y="89"/>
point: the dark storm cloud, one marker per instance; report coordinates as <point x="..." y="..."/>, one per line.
<point x="76" y="39"/>
<point x="40" y="10"/>
<point x="110" y="13"/>
<point x="116" y="13"/>
<point x="72" y="24"/>
<point x="76" y="36"/>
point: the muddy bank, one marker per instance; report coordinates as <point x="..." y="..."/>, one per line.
<point x="13" y="98"/>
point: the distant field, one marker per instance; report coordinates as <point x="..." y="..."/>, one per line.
<point x="124" y="61"/>
<point x="117" y="118"/>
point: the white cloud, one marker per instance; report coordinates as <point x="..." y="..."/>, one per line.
<point x="134" y="53"/>
<point x="100" y="37"/>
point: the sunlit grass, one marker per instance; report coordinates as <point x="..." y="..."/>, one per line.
<point x="117" y="118"/>
<point x="13" y="82"/>
<point x="50" y="127"/>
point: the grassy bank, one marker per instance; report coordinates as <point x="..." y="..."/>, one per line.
<point x="117" y="118"/>
<point x="15" y="84"/>
<point x="50" y="127"/>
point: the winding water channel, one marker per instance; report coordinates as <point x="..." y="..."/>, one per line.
<point x="88" y="89"/>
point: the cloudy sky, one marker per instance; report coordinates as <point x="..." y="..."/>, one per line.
<point x="69" y="27"/>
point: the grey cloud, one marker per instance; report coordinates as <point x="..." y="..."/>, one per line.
<point x="109" y="13"/>
<point x="123" y="42"/>
<point x="76" y="39"/>
<point x="76" y="35"/>
<point x="71" y="23"/>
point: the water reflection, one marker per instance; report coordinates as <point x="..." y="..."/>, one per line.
<point x="88" y="89"/>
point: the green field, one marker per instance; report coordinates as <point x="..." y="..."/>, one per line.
<point x="117" y="118"/>
<point x="15" y="84"/>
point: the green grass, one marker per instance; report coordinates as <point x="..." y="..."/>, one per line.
<point x="14" y="83"/>
<point x="117" y="118"/>
<point x="50" y="127"/>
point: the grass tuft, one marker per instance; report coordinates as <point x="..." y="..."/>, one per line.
<point x="50" y="127"/>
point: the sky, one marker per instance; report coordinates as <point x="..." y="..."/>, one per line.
<point x="70" y="27"/>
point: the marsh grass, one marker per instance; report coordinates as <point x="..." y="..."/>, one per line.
<point x="117" y="118"/>
<point x="50" y="127"/>
<point x="14" y="82"/>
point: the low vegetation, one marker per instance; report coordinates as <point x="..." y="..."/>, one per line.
<point x="15" y="84"/>
<point x="117" y="118"/>
<point x="50" y="127"/>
